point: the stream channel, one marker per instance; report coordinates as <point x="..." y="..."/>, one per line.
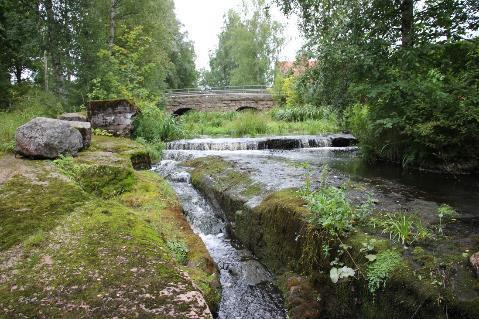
<point x="248" y="289"/>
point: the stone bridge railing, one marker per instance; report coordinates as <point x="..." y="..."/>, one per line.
<point x="228" y="99"/>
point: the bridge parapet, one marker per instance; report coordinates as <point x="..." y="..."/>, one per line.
<point x="219" y="99"/>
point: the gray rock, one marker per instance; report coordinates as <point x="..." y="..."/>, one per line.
<point x="474" y="260"/>
<point x="85" y="130"/>
<point x="47" y="138"/>
<point x="114" y="116"/>
<point x="181" y="177"/>
<point x="75" y="117"/>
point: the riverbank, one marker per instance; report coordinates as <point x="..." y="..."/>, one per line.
<point x="90" y="236"/>
<point x="400" y="259"/>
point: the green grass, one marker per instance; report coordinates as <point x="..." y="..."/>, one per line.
<point x="239" y="124"/>
<point x="32" y="104"/>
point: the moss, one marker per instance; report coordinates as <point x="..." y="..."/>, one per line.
<point x="156" y="203"/>
<point x="105" y="181"/>
<point x="277" y="233"/>
<point x="103" y="254"/>
<point x="28" y="208"/>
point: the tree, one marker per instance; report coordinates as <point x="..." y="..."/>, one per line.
<point x="410" y="69"/>
<point x="247" y="49"/>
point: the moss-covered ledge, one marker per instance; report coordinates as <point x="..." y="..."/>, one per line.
<point x="96" y="238"/>
<point x="424" y="282"/>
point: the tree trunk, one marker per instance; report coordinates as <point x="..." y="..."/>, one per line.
<point x="18" y="73"/>
<point x="45" y="61"/>
<point x="54" y="50"/>
<point x="407" y="23"/>
<point x="111" y="38"/>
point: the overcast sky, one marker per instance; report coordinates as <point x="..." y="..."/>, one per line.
<point x="203" y="19"/>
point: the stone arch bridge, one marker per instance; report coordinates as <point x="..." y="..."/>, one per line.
<point x="229" y="99"/>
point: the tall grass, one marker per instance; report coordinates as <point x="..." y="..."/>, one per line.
<point x="249" y="123"/>
<point x="33" y="104"/>
<point x="195" y="124"/>
<point x="302" y="113"/>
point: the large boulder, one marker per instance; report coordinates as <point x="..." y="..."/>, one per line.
<point x="85" y="130"/>
<point x="47" y="138"/>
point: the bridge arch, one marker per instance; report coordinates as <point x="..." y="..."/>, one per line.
<point x="247" y="108"/>
<point x="182" y="111"/>
<point x="228" y="99"/>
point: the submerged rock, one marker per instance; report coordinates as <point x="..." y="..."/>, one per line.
<point x="181" y="177"/>
<point x="47" y="138"/>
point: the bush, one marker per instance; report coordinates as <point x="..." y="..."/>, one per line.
<point x="426" y="112"/>
<point x="154" y="126"/>
<point x="302" y="113"/>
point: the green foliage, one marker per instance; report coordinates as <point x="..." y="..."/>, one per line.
<point x="179" y="250"/>
<point x="196" y="124"/>
<point x="101" y="132"/>
<point x="409" y="70"/>
<point x="381" y="268"/>
<point x="406" y="229"/>
<point x="445" y="214"/>
<point x="126" y="68"/>
<point x="26" y="106"/>
<point x="247" y="48"/>
<point x="250" y="123"/>
<point x="154" y="126"/>
<point x="303" y="113"/>
<point x="330" y="210"/>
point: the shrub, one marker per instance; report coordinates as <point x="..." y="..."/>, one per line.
<point x="302" y="113"/>
<point x="154" y="126"/>
<point x="330" y="210"/>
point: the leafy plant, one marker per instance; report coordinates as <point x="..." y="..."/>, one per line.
<point x="153" y="126"/>
<point x="405" y="229"/>
<point x="445" y="214"/>
<point x="101" y="132"/>
<point x="179" y="250"/>
<point x="330" y="210"/>
<point x="250" y="124"/>
<point x="379" y="271"/>
<point x="338" y="273"/>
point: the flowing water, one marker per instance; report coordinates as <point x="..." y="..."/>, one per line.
<point x="284" y="162"/>
<point x="247" y="286"/>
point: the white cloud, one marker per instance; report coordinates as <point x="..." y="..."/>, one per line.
<point x="203" y="20"/>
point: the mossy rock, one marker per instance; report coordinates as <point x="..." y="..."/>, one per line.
<point x="105" y="181"/>
<point x="94" y="243"/>
<point x="278" y="233"/>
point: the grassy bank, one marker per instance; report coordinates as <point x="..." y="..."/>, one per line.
<point x="237" y="124"/>
<point x="90" y="237"/>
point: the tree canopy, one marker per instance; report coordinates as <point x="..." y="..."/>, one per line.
<point x="63" y="45"/>
<point x="247" y="48"/>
